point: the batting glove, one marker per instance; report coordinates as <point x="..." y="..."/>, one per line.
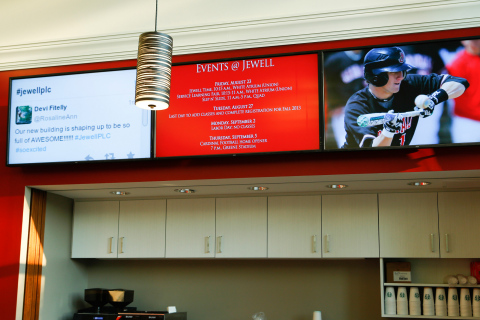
<point x="426" y="104"/>
<point x="392" y="124"/>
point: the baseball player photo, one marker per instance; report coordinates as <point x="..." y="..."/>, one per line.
<point x="343" y="78"/>
<point x="386" y="112"/>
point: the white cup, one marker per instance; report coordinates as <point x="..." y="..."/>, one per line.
<point x="476" y="302"/>
<point x="428" y="302"/>
<point x="389" y="294"/>
<point x="440" y="302"/>
<point x="402" y="301"/>
<point x="414" y="303"/>
<point x="465" y="303"/>
<point x="390" y="301"/>
<point x="465" y="296"/>
<point x="452" y="303"/>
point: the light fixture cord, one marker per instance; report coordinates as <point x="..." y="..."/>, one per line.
<point x="156" y="11"/>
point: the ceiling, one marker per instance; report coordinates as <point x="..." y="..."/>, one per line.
<point x="364" y="183"/>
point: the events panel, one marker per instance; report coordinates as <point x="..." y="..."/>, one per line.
<point x="242" y="106"/>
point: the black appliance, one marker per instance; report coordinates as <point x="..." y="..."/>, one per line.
<point x="119" y="299"/>
<point x="135" y="315"/>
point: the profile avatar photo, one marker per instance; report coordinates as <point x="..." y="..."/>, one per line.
<point x="23" y="115"/>
<point x="386" y="112"/>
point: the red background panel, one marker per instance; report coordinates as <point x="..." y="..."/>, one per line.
<point x="14" y="179"/>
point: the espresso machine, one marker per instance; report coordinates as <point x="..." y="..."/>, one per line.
<point x="111" y="304"/>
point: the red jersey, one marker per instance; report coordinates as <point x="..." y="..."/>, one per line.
<point x="466" y="65"/>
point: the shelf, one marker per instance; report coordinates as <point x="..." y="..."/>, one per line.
<point x="432" y="285"/>
<point x="426" y="274"/>
<point x="424" y="317"/>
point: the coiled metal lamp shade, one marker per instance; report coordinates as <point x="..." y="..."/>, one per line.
<point x="154" y="67"/>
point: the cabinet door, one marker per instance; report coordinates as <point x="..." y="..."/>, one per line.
<point x="350" y="226"/>
<point x="95" y="229"/>
<point x="294" y="227"/>
<point x="141" y="229"/>
<point x="459" y="220"/>
<point x="408" y="224"/>
<point x="241" y="227"/>
<point x="190" y="228"/>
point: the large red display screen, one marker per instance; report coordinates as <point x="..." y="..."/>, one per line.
<point x="242" y="106"/>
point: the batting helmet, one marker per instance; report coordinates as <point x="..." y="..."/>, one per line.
<point x="379" y="61"/>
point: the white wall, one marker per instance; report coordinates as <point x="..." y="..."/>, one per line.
<point x="63" y="279"/>
<point x="236" y="289"/>
<point x="58" y="32"/>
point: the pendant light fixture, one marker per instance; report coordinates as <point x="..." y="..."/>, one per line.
<point x="154" y="66"/>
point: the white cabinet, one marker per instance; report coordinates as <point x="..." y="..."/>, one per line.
<point x="123" y="229"/>
<point x="408" y="225"/>
<point x="241" y="227"/>
<point x="294" y="227"/>
<point x="141" y="229"/>
<point x="350" y="226"/>
<point x="459" y="220"/>
<point x="95" y="229"/>
<point x="403" y="225"/>
<point x="221" y="228"/>
<point x="346" y="225"/>
<point x="190" y="228"/>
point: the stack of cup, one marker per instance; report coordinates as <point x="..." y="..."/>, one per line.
<point x="465" y="303"/>
<point x="402" y="301"/>
<point x="414" y="302"/>
<point x="390" y="302"/>
<point x="476" y="302"/>
<point x="440" y="302"/>
<point x="428" y="303"/>
<point x="452" y="303"/>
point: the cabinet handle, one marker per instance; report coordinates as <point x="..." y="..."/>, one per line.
<point x="432" y="242"/>
<point x="220" y="244"/>
<point x="121" y="244"/>
<point x="327" y="243"/>
<point x="447" y="245"/>
<point x="314" y="243"/>
<point x="207" y="244"/>
<point x="110" y="241"/>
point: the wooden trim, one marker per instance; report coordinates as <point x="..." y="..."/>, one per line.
<point x="33" y="278"/>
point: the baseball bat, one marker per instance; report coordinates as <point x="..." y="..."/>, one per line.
<point x="375" y="119"/>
